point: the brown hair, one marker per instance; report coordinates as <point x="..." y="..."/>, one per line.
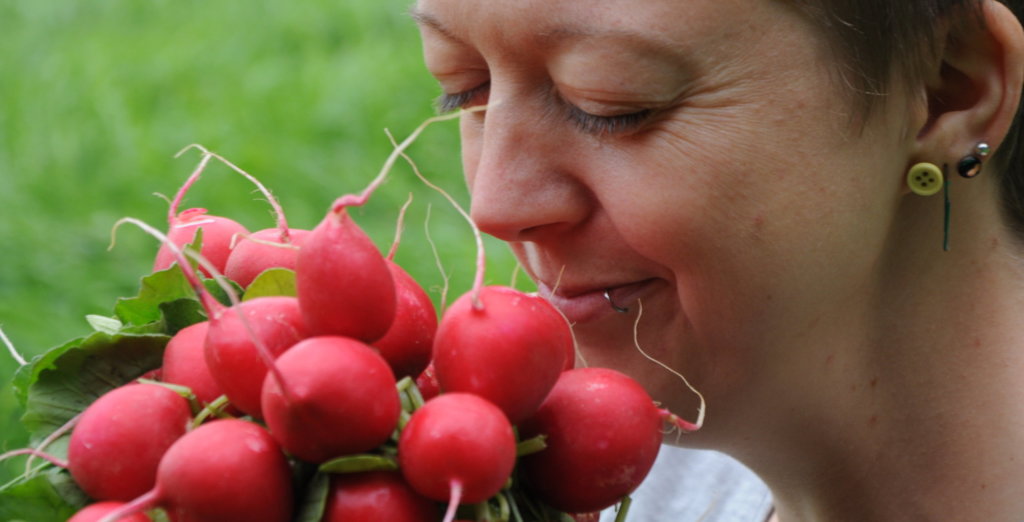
<point x="876" y="39"/>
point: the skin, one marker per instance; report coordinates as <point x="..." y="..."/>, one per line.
<point x="781" y="261"/>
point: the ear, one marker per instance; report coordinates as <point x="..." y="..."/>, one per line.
<point x="975" y="87"/>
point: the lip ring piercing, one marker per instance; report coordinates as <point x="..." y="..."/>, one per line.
<point x="617" y="308"/>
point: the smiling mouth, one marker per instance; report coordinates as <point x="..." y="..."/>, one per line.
<point x="586" y="304"/>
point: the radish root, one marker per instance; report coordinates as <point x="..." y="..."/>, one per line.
<point x="399" y="225"/>
<point x="453" y="502"/>
<point x="445" y="277"/>
<point x="668" y="416"/>
<point x="10" y="348"/>
<point x="481" y="260"/>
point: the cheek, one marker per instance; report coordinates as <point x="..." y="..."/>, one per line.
<point x="470" y="140"/>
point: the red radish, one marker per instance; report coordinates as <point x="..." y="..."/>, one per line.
<point x="458" y="447"/>
<point x="341" y="278"/>
<point x="262" y="250"/>
<point x="603" y="433"/>
<point x="427" y="383"/>
<point x="184" y="363"/>
<point x="236" y="362"/>
<point x="510" y="349"/>
<point x="227" y="470"/>
<point x="374" y="497"/>
<point x="95" y="512"/>
<point x="498" y="342"/>
<point x="408" y="343"/>
<point x="218" y="235"/>
<point x="121" y="437"/>
<point x="344" y="285"/>
<point x="341" y="399"/>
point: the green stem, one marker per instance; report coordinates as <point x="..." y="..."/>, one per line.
<point x="623" y="509"/>
<point x="531" y="445"/>
<point x="359" y="463"/>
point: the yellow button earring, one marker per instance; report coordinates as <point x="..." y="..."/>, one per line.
<point x="925" y="179"/>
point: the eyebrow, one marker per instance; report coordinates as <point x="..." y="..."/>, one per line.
<point x="424" y="18"/>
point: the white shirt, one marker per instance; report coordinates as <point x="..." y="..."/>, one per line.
<point x="687" y="485"/>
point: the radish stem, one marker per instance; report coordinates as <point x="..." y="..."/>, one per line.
<point x="352" y="200"/>
<point x="35" y="453"/>
<point x="172" y="211"/>
<point x="145" y="501"/>
<point x="282" y="223"/>
<point x="58" y="433"/>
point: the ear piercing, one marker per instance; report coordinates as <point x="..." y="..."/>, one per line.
<point x="619" y="309"/>
<point x="926" y="179"/>
<point x="970" y="165"/>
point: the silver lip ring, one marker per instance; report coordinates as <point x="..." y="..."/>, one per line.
<point x="615" y="307"/>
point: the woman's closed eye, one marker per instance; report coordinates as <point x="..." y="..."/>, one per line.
<point x="602" y="125"/>
<point x="584" y="121"/>
<point x="463" y="100"/>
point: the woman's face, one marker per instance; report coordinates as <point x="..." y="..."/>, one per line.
<point x="697" y="157"/>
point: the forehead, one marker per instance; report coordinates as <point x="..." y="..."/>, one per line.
<point x="672" y="22"/>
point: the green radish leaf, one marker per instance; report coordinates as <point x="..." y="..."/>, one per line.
<point x="359" y="463"/>
<point x="179" y="313"/>
<point x="104" y="324"/>
<point x="62" y="382"/>
<point x="272" y="282"/>
<point x="155" y="289"/>
<point x="315" y="501"/>
<point x="43" y="497"/>
<point x="219" y="293"/>
<point x="164" y="286"/>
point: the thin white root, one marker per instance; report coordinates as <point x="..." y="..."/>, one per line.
<point x="399" y="227"/>
<point x="481" y="260"/>
<point x="10" y="348"/>
<point x="515" y="275"/>
<point x="445" y="277"/>
<point x="636" y="341"/>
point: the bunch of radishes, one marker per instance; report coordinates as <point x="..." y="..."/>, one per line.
<point x="354" y="377"/>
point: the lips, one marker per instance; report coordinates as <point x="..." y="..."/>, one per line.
<point x="585" y="304"/>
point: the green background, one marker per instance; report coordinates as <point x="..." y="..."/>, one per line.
<point x="97" y="97"/>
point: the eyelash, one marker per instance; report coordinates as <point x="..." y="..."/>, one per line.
<point x="584" y="121"/>
<point x="451" y="102"/>
<point x="600" y="125"/>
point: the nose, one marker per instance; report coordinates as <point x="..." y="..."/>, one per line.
<point x="522" y="171"/>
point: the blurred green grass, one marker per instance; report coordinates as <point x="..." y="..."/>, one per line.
<point x="97" y="97"/>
